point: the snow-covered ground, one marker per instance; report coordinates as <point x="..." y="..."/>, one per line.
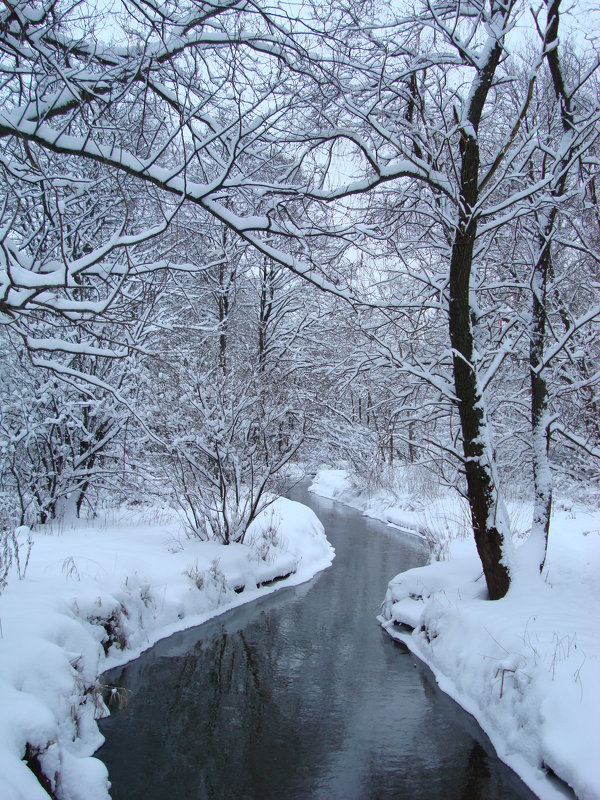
<point x="94" y="596"/>
<point x="527" y="666"/>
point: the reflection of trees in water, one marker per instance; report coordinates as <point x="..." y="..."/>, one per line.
<point x="209" y="744"/>
<point x="477" y="774"/>
<point x="473" y="780"/>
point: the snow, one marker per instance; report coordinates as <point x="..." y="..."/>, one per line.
<point x="527" y="666"/>
<point x="429" y="518"/>
<point x="95" y="595"/>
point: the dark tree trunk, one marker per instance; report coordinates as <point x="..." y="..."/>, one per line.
<point x="223" y="311"/>
<point x="542" y="479"/>
<point x="482" y="491"/>
<point x="265" y="310"/>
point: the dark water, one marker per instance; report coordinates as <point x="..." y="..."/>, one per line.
<point x="300" y="695"/>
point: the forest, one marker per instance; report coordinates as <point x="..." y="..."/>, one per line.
<point x="246" y="241"/>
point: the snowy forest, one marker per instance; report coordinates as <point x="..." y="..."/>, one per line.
<point x="241" y="239"/>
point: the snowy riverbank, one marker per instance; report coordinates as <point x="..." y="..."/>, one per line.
<point x="95" y="596"/>
<point x="527" y="667"/>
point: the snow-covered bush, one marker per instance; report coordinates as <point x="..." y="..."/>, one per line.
<point x="211" y="580"/>
<point x="15" y="550"/>
<point x="265" y="539"/>
<point x="441" y="524"/>
<point x="224" y="451"/>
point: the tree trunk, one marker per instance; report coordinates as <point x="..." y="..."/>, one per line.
<point x="481" y="486"/>
<point x="542" y="476"/>
<point x="488" y="524"/>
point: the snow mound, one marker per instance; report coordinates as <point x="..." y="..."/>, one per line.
<point x="526" y="666"/>
<point x="95" y="596"/>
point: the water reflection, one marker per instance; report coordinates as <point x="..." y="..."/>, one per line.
<point x="300" y="696"/>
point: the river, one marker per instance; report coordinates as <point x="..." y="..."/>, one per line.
<point x="300" y="695"/>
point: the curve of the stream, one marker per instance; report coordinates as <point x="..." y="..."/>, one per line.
<point x="300" y="695"/>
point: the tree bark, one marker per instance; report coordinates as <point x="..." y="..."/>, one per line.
<point x="481" y="487"/>
<point x="540" y="432"/>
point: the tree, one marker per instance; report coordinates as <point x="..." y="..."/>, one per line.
<point x="459" y="178"/>
<point x="223" y="420"/>
<point x="66" y="405"/>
